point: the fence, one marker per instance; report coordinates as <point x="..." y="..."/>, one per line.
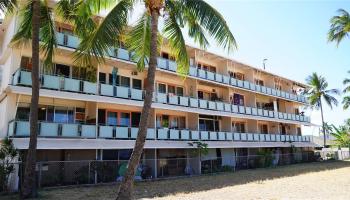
<point x="64" y="173"/>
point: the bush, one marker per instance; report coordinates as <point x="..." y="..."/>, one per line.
<point x="8" y="153"/>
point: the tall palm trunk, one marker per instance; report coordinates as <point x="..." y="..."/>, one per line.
<point x="29" y="182"/>
<point x="323" y="126"/>
<point x="126" y="188"/>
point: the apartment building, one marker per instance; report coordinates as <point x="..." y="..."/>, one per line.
<point x="92" y="113"/>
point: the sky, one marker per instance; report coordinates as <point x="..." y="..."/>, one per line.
<point x="292" y="35"/>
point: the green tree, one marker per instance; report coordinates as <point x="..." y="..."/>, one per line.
<point x="317" y="92"/>
<point x="346" y="90"/>
<point x="198" y="16"/>
<point x="342" y="136"/>
<point x="36" y="22"/>
<point x="8" y="154"/>
<point x="340" y="27"/>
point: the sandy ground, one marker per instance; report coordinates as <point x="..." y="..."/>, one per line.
<point x="328" y="180"/>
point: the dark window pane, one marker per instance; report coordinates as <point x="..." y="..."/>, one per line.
<point x="124" y="81"/>
<point x="135" y="119"/>
<point x="137" y="84"/>
<point x="161" y="88"/>
<point x="112" y="118"/>
<point x="23" y="113"/>
<point x="124" y="119"/>
<point x="42" y="114"/>
<point x="62" y="70"/>
<point x="200" y="95"/>
<point x="124" y="154"/>
<point x="102" y="77"/>
<point x="171" y="89"/>
<point x="179" y="91"/>
<point x="101" y="116"/>
<point x="50" y="113"/>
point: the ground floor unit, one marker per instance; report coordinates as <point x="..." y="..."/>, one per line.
<point x="92" y="166"/>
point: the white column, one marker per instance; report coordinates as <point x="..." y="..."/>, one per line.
<point x="275" y="108"/>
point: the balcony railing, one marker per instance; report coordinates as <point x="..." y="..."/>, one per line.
<point x="66" y="130"/>
<point x="169" y="65"/>
<point x="79" y="86"/>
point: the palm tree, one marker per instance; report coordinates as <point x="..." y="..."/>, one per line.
<point x="198" y="16"/>
<point x="36" y="21"/>
<point x="340" y="27"/>
<point x="317" y="92"/>
<point x="346" y="99"/>
<point x="342" y="136"/>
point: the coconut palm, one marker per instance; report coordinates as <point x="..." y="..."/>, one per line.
<point x="346" y="99"/>
<point x="198" y="16"/>
<point x="317" y="92"/>
<point x="35" y="20"/>
<point x="340" y="27"/>
<point x="342" y="136"/>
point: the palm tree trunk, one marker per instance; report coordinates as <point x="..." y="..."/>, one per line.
<point x="29" y="182"/>
<point x="323" y="126"/>
<point x="126" y="188"/>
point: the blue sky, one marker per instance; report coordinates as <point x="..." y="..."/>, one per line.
<point x="292" y="35"/>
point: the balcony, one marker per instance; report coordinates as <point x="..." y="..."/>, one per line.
<point x="23" y="78"/>
<point x="90" y="131"/>
<point x="169" y="65"/>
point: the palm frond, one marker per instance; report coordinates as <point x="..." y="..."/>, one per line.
<point x="8" y="6"/>
<point x="346" y="102"/>
<point x="211" y="21"/>
<point x="99" y="42"/>
<point x="340" y="27"/>
<point x="138" y="41"/>
<point x="330" y="100"/>
<point x="24" y="33"/>
<point x="172" y="32"/>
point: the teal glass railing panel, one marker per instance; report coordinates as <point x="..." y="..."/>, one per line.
<point x="88" y="131"/>
<point x="122" y="92"/>
<point x="174" y="134"/>
<point x="161" y="98"/>
<point x="203" y="103"/>
<point x="218" y="78"/>
<point x="25" y="78"/>
<point x="72" y="41"/>
<point x="204" y="135"/>
<point x="51" y="82"/>
<point x="89" y="88"/>
<point x="106" y="132"/>
<point x="193" y="71"/>
<point x="60" y="38"/>
<point x="194" y="103"/>
<point x="22" y="128"/>
<point x="162" y="63"/>
<point x="151" y="134"/>
<point x="212" y="105"/>
<point x="122" y="132"/>
<point x="136" y="94"/>
<point x="48" y="129"/>
<point x="72" y="85"/>
<point x="70" y="130"/>
<point x="172" y="65"/>
<point x="162" y="134"/>
<point x="210" y="76"/>
<point x="11" y="129"/>
<point x="183" y="101"/>
<point x="213" y="135"/>
<point x="107" y="90"/>
<point x="123" y="54"/>
<point x="195" y="135"/>
<point x="173" y="99"/>
<point x="185" y="135"/>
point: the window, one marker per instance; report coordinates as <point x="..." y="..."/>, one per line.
<point x="102" y="116"/>
<point x="63" y="115"/>
<point x="212" y="69"/>
<point x="124" y="81"/>
<point x="200" y="95"/>
<point x="238" y="76"/>
<point x="265" y="106"/>
<point x="124" y="119"/>
<point x="263" y="129"/>
<point x="23" y="113"/>
<point x="112" y="118"/>
<point x="135" y="119"/>
<point x="179" y="91"/>
<point x="238" y="127"/>
<point x="259" y="82"/>
<point x="171" y="89"/>
<point x="102" y="77"/>
<point x="299" y="131"/>
<point x="238" y="99"/>
<point x="62" y="70"/>
<point x="296" y="111"/>
<point x="208" y="123"/>
<point x="79" y="73"/>
<point x="113" y="80"/>
<point x="26" y="63"/>
<point x="136" y="84"/>
<point x="162" y="121"/>
<point x="162" y="88"/>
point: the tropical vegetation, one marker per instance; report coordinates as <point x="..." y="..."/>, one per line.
<point x="319" y="93"/>
<point x="8" y="156"/>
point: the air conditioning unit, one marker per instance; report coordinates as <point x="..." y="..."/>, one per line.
<point x="134" y="73"/>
